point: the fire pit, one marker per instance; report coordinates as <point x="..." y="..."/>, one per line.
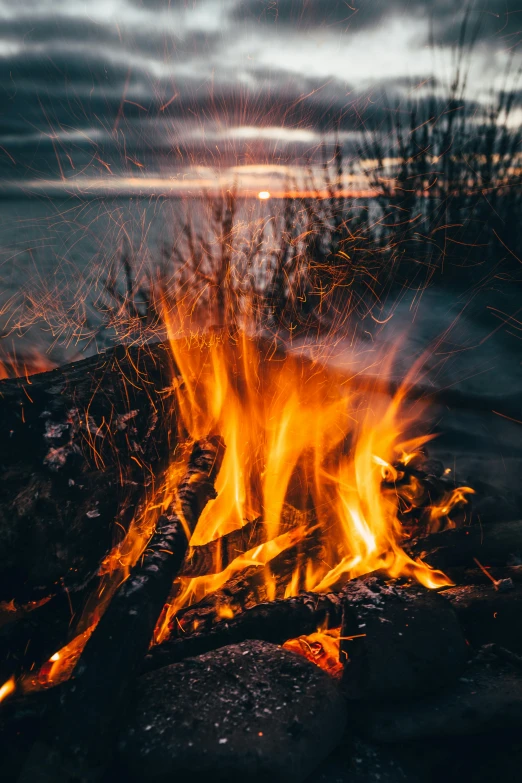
<point x="230" y="560"/>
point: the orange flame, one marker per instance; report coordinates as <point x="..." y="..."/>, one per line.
<point x="296" y="433"/>
<point x="30" y="363"/>
<point x="7" y="688"/>
<point x="321" y="648"/>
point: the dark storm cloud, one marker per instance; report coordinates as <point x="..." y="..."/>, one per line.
<point x="47" y="33"/>
<point x="39" y="92"/>
<point x="70" y="93"/>
<point x="78" y="109"/>
<point x="30" y="71"/>
<point x="72" y="87"/>
<point x="76" y="72"/>
<point x="497" y="21"/>
<point x="81" y="91"/>
<point x="51" y="29"/>
<point x="300" y="13"/>
<point x="166" y="5"/>
<point x="81" y="111"/>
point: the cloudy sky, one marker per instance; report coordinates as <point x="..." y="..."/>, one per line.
<point x="159" y="94"/>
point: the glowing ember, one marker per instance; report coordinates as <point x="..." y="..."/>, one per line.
<point x="7" y="688"/>
<point x="321" y="648"/>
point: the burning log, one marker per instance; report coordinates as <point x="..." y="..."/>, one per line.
<point x="272" y="621"/>
<point x="252" y="585"/>
<point x="410" y="623"/>
<point x="422" y="489"/>
<point x="218" y="554"/>
<point x="77" y="447"/>
<point x="79" y="748"/>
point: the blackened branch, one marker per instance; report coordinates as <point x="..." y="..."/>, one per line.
<point x="79" y="748"/>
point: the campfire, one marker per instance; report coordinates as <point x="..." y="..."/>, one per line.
<point x="230" y="517"/>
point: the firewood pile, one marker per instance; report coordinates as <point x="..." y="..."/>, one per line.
<point x="355" y="683"/>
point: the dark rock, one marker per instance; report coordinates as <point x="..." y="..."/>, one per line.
<point x="365" y="762"/>
<point x="496" y="756"/>
<point x="494" y="544"/>
<point x="489" y="615"/>
<point x="247" y="711"/>
<point x="487" y="698"/>
<point x="493" y="507"/>
<point x="411" y="645"/>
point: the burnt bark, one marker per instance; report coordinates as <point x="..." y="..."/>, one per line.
<point x="273" y="621"/>
<point x="217" y="555"/>
<point x="253" y="585"/>
<point x="77" y="447"/>
<point x="79" y="747"/>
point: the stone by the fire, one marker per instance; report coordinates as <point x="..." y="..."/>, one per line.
<point x="494" y="544"/>
<point x="251" y="711"/>
<point x="400" y="641"/>
<point x="366" y="762"/>
<point x="487" y="698"/>
<point x="489" y="615"/>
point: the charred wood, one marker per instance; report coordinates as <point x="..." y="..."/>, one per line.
<point x="419" y="486"/>
<point x="273" y="621"/>
<point x="252" y="585"/>
<point x="218" y="554"/>
<point x="77" y="447"/>
<point x="79" y="747"/>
